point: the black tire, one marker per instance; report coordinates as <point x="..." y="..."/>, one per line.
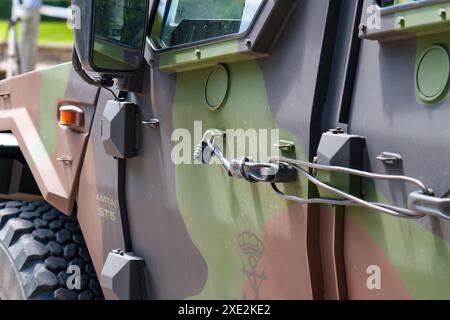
<point x="37" y="245"/>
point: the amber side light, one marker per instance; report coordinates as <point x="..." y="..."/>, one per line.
<point x="71" y="116"/>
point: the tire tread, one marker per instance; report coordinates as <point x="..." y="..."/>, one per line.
<point x="42" y="243"/>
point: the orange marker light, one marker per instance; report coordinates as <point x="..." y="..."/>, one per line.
<point x="68" y="118"/>
<point x="71" y="116"/>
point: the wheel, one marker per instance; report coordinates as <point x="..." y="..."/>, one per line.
<point x="38" y="245"/>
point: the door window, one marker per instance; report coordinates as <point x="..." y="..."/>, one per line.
<point x="181" y="22"/>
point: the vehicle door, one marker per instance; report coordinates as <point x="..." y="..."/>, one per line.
<point x="254" y="68"/>
<point x="400" y="106"/>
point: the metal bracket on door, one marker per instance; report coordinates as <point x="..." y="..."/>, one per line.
<point x="429" y="205"/>
<point x="345" y="198"/>
<point x="421" y="203"/>
<point x="243" y="168"/>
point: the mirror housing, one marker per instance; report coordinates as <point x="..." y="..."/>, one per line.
<point x="104" y="41"/>
<point x="83" y="12"/>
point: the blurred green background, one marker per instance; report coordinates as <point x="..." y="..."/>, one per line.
<point x="51" y="30"/>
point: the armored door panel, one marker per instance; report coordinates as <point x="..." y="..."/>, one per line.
<point x="400" y="105"/>
<point x="203" y="233"/>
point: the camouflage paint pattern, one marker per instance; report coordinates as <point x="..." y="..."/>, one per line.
<point x="29" y="109"/>
<point x="240" y="214"/>
<point x="236" y="240"/>
<point x="413" y="256"/>
<point x="204" y="235"/>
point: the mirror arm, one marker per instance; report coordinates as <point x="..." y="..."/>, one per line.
<point x="79" y="69"/>
<point x="104" y="82"/>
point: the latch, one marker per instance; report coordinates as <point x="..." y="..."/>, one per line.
<point x="429" y="205"/>
<point x="119" y="129"/>
<point x="339" y="149"/>
<point x="243" y="168"/>
<point x="123" y="277"/>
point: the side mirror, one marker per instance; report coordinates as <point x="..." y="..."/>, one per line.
<point x="111" y="34"/>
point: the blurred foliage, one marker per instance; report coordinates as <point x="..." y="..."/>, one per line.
<point x="49" y="32"/>
<point x="55" y="32"/>
<point x="5" y="7"/>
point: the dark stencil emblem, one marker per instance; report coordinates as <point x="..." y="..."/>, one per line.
<point x="253" y="249"/>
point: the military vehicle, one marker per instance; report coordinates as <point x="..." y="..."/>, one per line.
<point x="245" y="149"/>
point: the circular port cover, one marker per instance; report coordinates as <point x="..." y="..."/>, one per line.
<point x="432" y="74"/>
<point x="216" y="89"/>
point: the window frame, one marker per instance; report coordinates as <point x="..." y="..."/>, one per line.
<point x="390" y="30"/>
<point x="234" y="36"/>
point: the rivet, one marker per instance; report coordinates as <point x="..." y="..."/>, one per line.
<point x="198" y="53"/>
<point x="401" y="21"/>
<point x="442" y="13"/>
